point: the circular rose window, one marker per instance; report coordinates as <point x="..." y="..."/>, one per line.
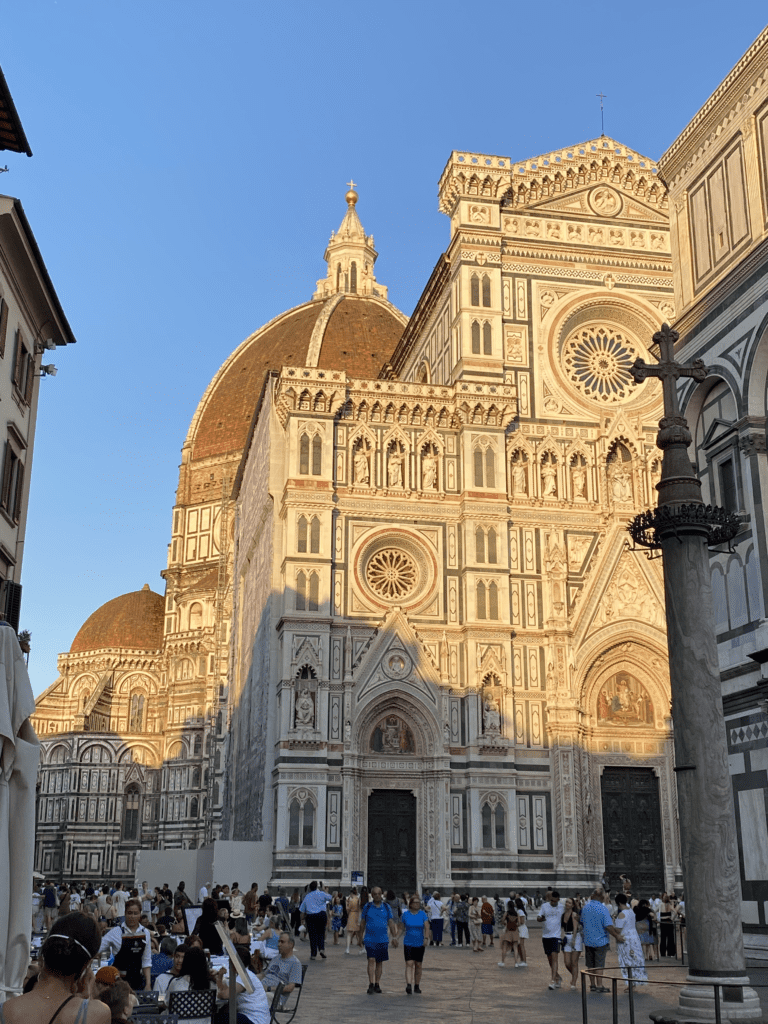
<point x="597" y="360"/>
<point x="391" y="574"/>
<point x="396" y="568"/>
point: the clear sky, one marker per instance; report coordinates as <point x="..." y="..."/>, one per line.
<point x="190" y="161"/>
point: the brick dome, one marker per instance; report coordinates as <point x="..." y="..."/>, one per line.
<point x="133" y="621"/>
<point x="353" y="333"/>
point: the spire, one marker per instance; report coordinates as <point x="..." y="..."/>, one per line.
<point x="350" y="256"/>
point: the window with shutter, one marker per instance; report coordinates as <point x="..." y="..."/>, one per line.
<point x="474" y="290"/>
<point x="18" y="359"/>
<point x="314" y="592"/>
<point x="478" y="461"/>
<point x="486" y="290"/>
<point x="490" y="468"/>
<point x="481" y="614"/>
<point x="314" y="540"/>
<point x="317" y="455"/>
<point x="487" y="344"/>
<point x="304" y="455"/>
<point x="3" y="326"/>
<point x="492" y="555"/>
<point x="493" y="601"/>
<point x="479" y="544"/>
<point x="475" y="337"/>
<point x="301" y="592"/>
<point x="353" y="277"/>
<point x="302" y="533"/>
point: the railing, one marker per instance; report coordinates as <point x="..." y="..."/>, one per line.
<point x="721" y="992"/>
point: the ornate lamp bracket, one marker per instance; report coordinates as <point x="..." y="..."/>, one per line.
<point x="719" y="525"/>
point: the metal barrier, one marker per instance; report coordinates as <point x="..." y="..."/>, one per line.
<point x="659" y="1018"/>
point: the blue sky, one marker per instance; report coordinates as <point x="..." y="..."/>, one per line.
<point x="189" y="164"/>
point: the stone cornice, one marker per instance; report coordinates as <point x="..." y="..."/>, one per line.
<point x="747" y="75"/>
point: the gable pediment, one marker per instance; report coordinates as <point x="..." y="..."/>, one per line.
<point x="396" y="658"/>
<point x="602" y="200"/>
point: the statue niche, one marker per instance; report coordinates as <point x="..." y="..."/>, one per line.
<point x="392" y="736"/>
<point x="623" y="700"/>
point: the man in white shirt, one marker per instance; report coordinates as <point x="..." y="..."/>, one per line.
<point x="131" y="946"/>
<point x="551" y="913"/>
<point x="162" y="981"/>
<point x="119" y="897"/>
<point x="203" y="894"/>
<point x="435" y="909"/>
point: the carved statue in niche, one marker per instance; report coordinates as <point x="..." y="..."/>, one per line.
<point x="491" y="716"/>
<point x="392" y="736"/>
<point x="305" y="710"/>
<point x="621" y="483"/>
<point x="362" y="471"/>
<point x="548" y="479"/>
<point x="428" y="471"/>
<point x="579" y="480"/>
<point x="519" y="479"/>
<point x="394" y="469"/>
<point x="624" y="700"/>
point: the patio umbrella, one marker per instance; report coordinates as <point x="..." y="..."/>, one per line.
<point x="19" y="759"/>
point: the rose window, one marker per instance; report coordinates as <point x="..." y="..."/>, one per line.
<point x="597" y="362"/>
<point x="391" y="573"/>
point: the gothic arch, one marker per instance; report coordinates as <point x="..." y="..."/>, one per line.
<point x="637" y="657"/>
<point x="427" y="732"/>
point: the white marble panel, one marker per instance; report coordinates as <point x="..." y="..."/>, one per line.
<point x="754" y="835"/>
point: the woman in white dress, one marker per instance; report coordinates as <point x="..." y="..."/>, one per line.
<point x="630" y="952"/>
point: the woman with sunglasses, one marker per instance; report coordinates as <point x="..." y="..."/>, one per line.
<point x="61" y="995"/>
<point x="415" y="923"/>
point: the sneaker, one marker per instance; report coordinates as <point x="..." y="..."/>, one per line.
<point x="313" y="958"/>
<point x="558" y="983"/>
<point x="346" y="951"/>
<point x="370" y="990"/>
<point x="516" y="965"/>
<point x="408" y="990"/>
<point x="322" y="954"/>
<point x="377" y="987"/>
<point x="551" y="985"/>
<point x="522" y="964"/>
<point x="417" y="990"/>
<point x="573" y="988"/>
<point x="501" y="964"/>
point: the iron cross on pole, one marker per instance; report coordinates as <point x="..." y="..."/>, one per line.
<point x="678" y="480"/>
<point x="601" y="96"/>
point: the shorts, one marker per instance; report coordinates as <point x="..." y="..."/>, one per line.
<point x="487" y="929"/>
<point x="523" y="929"/>
<point x="415" y="953"/>
<point x="378" y="951"/>
<point x="595" y="956"/>
<point x="573" y="943"/>
<point x="551" y="946"/>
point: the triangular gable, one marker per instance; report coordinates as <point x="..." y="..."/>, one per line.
<point x="396" y="658"/>
<point x="624" y="588"/>
<point x="718" y="428"/>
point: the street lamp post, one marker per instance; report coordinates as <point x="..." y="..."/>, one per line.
<point x="683" y="528"/>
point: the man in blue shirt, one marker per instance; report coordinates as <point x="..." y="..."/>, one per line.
<point x="315" y="916"/>
<point x="598" y="924"/>
<point x="375" y="929"/>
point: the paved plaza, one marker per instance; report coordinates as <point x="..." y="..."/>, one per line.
<point x="461" y="987"/>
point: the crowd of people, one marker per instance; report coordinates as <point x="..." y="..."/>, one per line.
<point x="163" y="940"/>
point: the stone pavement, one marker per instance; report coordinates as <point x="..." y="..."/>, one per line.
<point x="462" y="987"/>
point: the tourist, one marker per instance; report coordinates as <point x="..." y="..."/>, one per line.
<point x="551" y="913"/>
<point x="285" y="968"/>
<point x="476" y="925"/>
<point x="162" y="981"/>
<point x="205" y="927"/>
<point x="283" y="908"/>
<point x="295" y="915"/>
<point x="131" y="945"/>
<point x="353" y="918"/>
<point x="180" y="898"/>
<point x="270" y="936"/>
<point x="238" y="929"/>
<point x="179" y="922"/>
<point x="461" y="917"/>
<point x="315" y="918"/>
<point x="486" y="920"/>
<point x="65" y="977"/>
<point x="195" y="974"/>
<point x="105" y="977"/>
<point x="64" y="902"/>
<point x="375" y="926"/>
<point x="435" y="909"/>
<point x="202" y="893"/>
<point x="120" y="1001"/>
<point x="119" y="899"/>
<point x="626" y="885"/>
<point x="252" y="1008"/>
<point x="337" y="913"/>
<point x="630" y="951"/>
<point x="416" y="929"/>
<point x="499" y="915"/>
<point x="250" y="902"/>
<point x="162" y="961"/>
<point x="667" y="927"/>
<point x="522" y="913"/>
<point x="511" y="934"/>
<point x="572" y="945"/>
<point x="597" y="926"/>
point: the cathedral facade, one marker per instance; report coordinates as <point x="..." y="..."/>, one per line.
<point x="403" y="633"/>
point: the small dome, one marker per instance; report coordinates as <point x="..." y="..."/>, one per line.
<point x="347" y="332"/>
<point x="133" y="621"/>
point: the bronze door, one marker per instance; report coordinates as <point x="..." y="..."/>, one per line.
<point x="632" y="829"/>
<point x="392" y="840"/>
